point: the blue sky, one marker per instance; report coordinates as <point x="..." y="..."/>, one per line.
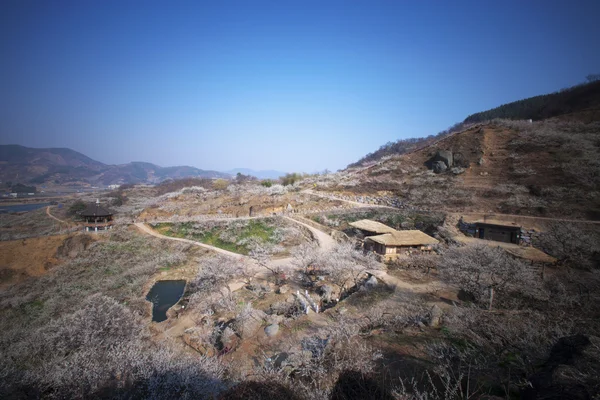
<point x="293" y="85"/>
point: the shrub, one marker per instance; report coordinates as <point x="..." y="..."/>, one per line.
<point x="220" y="184"/>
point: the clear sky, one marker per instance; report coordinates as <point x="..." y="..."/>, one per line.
<point x="293" y="85"/>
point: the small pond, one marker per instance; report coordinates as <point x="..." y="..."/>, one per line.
<point x="22" y="207"/>
<point x="164" y="295"/>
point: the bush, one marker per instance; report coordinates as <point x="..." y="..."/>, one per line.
<point x="290" y="179"/>
<point x="267" y="183"/>
<point x="220" y="184"/>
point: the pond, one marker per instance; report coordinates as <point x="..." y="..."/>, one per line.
<point x="164" y="295"/>
<point x="22" y="207"/>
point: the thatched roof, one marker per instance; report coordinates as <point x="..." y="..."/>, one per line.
<point x="404" y="238"/>
<point x="372" y="226"/>
<point x="94" y="210"/>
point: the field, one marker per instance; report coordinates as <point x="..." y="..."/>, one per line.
<point x="240" y="236"/>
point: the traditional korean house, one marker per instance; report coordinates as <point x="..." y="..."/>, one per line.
<point x="492" y="229"/>
<point x="96" y="218"/>
<point x="393" y="244"/>
<point x="368" y="227"/>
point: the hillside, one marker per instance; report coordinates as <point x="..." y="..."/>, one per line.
<point x="583" y="101"/>
<point x="547" y="168"/>
<point x="61" y="166"/>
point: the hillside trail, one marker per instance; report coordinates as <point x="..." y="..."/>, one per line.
<point x="495" y="156"/>
<point x="55" y="218"/>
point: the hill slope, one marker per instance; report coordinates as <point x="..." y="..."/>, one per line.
<point x="65" y="166"/>
<point x="582" y="100"/>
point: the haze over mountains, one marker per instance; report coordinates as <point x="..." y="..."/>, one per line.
<point x="64" y="166"/>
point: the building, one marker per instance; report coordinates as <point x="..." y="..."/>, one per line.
<point x="491" y="229"/>
<point x="392" y="244"/>
<point x="371" y="228"/>
<point x="96" y="218"/>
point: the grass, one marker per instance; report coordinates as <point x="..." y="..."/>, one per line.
<point x="238" y="235"/>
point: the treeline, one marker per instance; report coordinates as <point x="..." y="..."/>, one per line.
<point x="403" y="146"/>
<point x="566" y="101"/>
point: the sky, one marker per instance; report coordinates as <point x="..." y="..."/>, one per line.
<point x="291" y="85"/>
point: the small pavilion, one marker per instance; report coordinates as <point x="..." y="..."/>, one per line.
<point x="97" y="218"/>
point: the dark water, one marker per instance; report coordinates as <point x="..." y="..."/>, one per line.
<point x="22" y="207"/>
<point x="164" y="295"/>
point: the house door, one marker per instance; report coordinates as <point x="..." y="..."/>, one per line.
<point x="481" y="233"/>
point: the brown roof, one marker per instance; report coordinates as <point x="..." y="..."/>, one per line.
<point x="372" y="226"/>
<point x="94" y="210"/>
<point x="403" y="238"/>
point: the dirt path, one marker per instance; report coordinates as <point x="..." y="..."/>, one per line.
<point x="144" y="228"/>
<point x="325" y="241"/>
<point x="53" y="217"/>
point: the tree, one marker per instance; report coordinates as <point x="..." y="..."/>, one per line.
<point x="220" y="184"/>
<point x="593" y="77"/>
<point x="482" y="269"/>
<point x="346" y="266"/>
<point x="572" y="246"/>
<point x="77" y="207"/>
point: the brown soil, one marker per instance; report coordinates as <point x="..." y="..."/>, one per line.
<point x="20" y="259"/>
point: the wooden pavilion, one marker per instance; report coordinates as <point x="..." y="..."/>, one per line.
<point x="96" y="218"/>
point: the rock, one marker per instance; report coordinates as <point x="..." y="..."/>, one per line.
<point x="274" y="319"/>
<point x="406" y="225"/>
<point x="480" y="161"/>
<point x="445" y="156"/>
<point x="435" y="316"/>
<point x="272" y="330"/>
<point x="283" y="289"/>
<point x="248" y="322"/>
<point x="439" y="167"/>
<point x="197" y="338"/>
<point x="326" y="292"/>
<point x="457" y="170"/>
<point x="371" y="283"/>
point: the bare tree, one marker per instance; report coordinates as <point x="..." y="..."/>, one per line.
<point x="479" y="269"/>
<point x="345" y="265"/>
<point x="574" y="246"/>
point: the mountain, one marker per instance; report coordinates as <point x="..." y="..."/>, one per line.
<point x="546" y="167"/>
<point x="61" y="166"/>
<point x="263" y="174"/>
<point x="581" y="103"/>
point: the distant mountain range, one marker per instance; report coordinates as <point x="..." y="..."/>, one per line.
<point x="62" y="166"/>
<point x="264" y="174"/>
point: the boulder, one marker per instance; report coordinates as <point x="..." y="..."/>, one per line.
<point x="445" y="156"/>
<point x="435" y="316"/>
<point x="283" y="289"/>
<point x="439" y="167"/>
<point x="198" y="339"/>
<point x="326" y="293"/>
<point x="371" y="283"/>
<point x="248" y="322"/>
<point x="457" y="170"/>
<point x="272" y="330"/>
